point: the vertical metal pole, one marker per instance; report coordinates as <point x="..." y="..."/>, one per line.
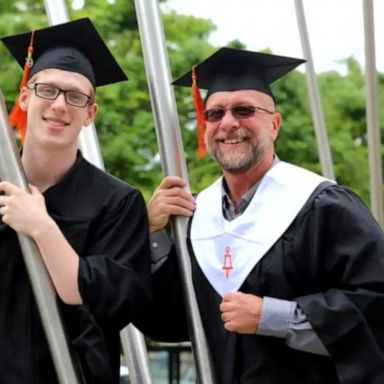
<point x="11" y="170"/>
<point x="372" y="113"/>
<point x="136" y="355"/>
<point x="132" y="340"/>
<point x="314" y="96"/>
<point x="173" y="162"/>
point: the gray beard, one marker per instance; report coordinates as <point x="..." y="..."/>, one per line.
<point x="237" y="162"/>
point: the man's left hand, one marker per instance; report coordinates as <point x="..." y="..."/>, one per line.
<point x="240" y="312"/>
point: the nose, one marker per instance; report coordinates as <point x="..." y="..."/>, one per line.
<point x="59" y="102"/>
<point x="229" y="121"/>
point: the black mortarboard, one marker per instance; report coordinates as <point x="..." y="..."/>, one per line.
<point x="232" y="69"/>
<point x="74" y="46"/>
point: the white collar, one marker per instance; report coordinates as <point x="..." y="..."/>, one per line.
<point x="282" y="193"/>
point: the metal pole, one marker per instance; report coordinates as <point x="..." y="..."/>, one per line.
<point x="173" y="162"/>
<point x="314" y="96"/>
<point x="12" y="171"/>
<point x="372" y="114"/>
<point x="136" y="355"/>
<point x="132" y="340"/>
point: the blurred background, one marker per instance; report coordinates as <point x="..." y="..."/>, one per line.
<point x="125" y="126"/>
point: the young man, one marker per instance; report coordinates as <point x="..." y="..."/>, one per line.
<point x="288" y="267"/>
<point x="90" y="228"/>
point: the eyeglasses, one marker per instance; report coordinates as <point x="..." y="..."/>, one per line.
<point x="51" y="92"/>
<point x="214" y="115"/>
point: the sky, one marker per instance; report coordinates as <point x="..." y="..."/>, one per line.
<point x="335" y="27"/>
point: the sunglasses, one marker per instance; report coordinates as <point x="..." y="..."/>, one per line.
<point x="214" y="115"/>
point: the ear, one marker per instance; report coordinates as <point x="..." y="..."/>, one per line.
<point x="276" y="124"/>
<point x="23" y="99"/>
<point x="91" y="113"/>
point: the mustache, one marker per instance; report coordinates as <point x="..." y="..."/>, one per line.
<point x="240" y="133"/>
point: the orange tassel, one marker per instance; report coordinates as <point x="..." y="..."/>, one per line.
<point x="17" y="117"/>
<point x="199" y="108"/>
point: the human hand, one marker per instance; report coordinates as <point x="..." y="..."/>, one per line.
<point x="240" y="312"/>
<point x="23" y="211"/>
<point x="169" y="198"/>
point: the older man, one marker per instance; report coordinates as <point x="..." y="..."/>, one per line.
<point x="288" y="267"/>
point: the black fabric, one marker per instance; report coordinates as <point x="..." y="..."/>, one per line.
<point x="105" y="221"/>
<point x="231" y="69"/>
<point x="73" y="46"/>
<point x="331" y="261"/>
<point x="65" y="58"/>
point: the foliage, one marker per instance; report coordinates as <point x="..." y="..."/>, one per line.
<point x="125" y="125"/>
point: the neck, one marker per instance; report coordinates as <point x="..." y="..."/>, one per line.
<point x="238" y="183"/>
<point x="44" y="168"/>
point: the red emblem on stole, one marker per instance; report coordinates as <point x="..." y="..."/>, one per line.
<point x="227" y="266"/>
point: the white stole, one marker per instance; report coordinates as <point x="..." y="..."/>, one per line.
<point x="242" y="242"/>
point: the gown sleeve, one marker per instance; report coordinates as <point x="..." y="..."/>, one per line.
<point x="342" y="250"/>
<point x="114" y="276"/>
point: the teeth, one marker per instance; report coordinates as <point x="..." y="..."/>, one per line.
<point x="233" y="141"/>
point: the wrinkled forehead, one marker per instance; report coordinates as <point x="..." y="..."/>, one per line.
<point x="237" y="97"/>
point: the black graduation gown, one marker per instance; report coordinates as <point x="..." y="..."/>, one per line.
<point x="331" y="261"/>
<point x="105" y="221"/>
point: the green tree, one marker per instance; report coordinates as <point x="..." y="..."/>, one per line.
<point x="125" y="124"/>
<point x="344" y="105"/>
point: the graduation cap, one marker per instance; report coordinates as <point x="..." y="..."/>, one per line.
<point x="74" y="46"/>
<point x="231" y="69"/>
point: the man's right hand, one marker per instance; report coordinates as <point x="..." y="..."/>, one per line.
<point x="169" y="198"/>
